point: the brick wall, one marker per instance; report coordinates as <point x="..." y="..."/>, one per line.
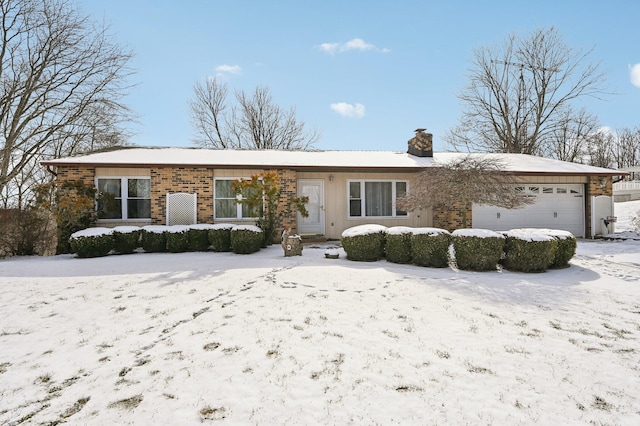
<point x="76" y="173"/>
<point x="451" y="218"/>
<point x="191" y="180"/>
<point x="289" y="190"/>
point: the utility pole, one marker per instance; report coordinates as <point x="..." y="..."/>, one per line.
<point x="522" y="136"/>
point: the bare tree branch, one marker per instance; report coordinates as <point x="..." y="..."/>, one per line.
<point x="520" y="93"/>
<point x="254" y="122"/>
<point x="469" y="180"/>
<point x="61" y="79"/>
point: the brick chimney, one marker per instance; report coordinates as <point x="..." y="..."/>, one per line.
<point x="422" y="144"/>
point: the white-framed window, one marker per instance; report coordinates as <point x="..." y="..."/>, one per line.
<point x="125" y="198"/>
<point x="375" y="198"/>
<point x="226" y="204"/>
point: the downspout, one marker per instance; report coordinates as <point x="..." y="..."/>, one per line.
<point x="53" y="172"/>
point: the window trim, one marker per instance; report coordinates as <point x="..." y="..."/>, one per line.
<point x="239" y="206"/>
<point x="124" y="197"/>
<point x="363" y="199"/>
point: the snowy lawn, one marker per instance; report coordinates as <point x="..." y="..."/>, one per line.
<point x="267" y="339"/>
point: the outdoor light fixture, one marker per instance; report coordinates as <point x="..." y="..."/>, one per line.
<point x="331" y="178"/>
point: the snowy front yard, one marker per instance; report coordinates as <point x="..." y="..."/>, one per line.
<point x="263" y="339"/>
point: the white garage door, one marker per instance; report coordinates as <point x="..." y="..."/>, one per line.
<point x="555" y="207"/>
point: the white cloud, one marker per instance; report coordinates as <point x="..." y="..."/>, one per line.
<point x="329" y="47"/>
<point x="229" y="69"/>
<point x="349" y="110"/>
<point x="357" y="44"/>
<point x="353" y="44"/>
<point x="634" y="72"/>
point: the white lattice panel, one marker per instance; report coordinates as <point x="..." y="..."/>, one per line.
<point x="181" y="209"/>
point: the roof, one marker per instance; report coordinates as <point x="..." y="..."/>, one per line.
<point x="326" y="160"/>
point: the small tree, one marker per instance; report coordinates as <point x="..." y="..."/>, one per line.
<point x="472" y="179"/>
<point x="262" y="194"/>
<point x="73" y="207"/>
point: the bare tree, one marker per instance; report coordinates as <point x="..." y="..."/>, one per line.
<point x="472" y="179"/>
<point x="600" y="148"/>
<point x="626" y="150"/>
<point x="569" y="139"/>
<point x="208" y="112"/>
<point x="255" y="122"/>
<point x="520" y="92"/>
<point x="62" y="80"/>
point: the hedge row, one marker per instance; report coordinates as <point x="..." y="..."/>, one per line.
<point x="94" y="242"/>
<point x="526" y="250"/>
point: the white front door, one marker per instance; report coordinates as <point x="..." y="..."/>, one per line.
<point x="314" y="223"/>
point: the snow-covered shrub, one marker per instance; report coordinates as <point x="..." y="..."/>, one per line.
<point x="220" y="236"/>
<point x="477" y="249"/>
<point x="177" y="238"/>
<point x="398" y="244"/>
<point x="566" y="247"/>
<point x="126" y="239"/>
<point x="199" y="237"/>
<point x="92" y="242"/>
<point x="430" y="247"/>
<point x="364" y="242"/>
<point x="246" y="239"/>
<point x="528" y="250"/>
<point x="154" y="238"/>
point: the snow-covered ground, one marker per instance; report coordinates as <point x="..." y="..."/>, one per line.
<point x="266" y="339"/>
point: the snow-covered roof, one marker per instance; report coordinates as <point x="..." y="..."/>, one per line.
<point x="334" y="160"/>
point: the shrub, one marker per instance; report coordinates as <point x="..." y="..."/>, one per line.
<point x="74" y="209"/>
<point x="92" y="242"/>
<point x="566" y="247"/>
<point x="220" y="237"/>
<point x="528" y="251"/>
<point x="364" y="242"/>
<point x="477" y="249"/>
<point x="398" y="244"/>
<point x="177" y="238"/>
<point x="126" y="239"/>
<point x="154" y="238"/>
<point x="246" y="239"/>
<point x="199" y="237"/>
<point x="25" y="232"/>
<point x="430" y="247"/>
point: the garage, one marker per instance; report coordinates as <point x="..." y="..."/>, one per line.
<point x="555" y="207"/>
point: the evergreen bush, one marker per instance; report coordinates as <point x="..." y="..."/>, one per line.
<point x="199" y="237"/>
<point x="246" y="239"/>
<point x="477" y="249"/>
<point x="220" y="237"/>
<point x="528" y="251"/>
<point x="177" y="238"/>
<point x="566" y="247"/>
<point x="92" y="242"/>
<point x="430" y="247"/>
<point x="126" y="239"/>
<point x="398" y="244"/>
<point x="364" y="242"/>
<point x="154" y="238"/>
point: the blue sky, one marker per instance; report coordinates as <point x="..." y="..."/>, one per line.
<point x="363" y="73"/>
